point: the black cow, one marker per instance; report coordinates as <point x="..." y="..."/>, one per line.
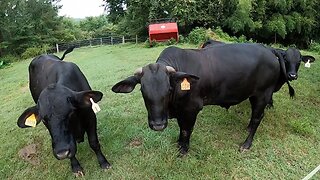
<point x="182" y="81"/>
<point x="62" y="96"/>
<point x="290" y="60"/>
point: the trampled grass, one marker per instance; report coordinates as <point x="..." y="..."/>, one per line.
<point x="286" y="146"/>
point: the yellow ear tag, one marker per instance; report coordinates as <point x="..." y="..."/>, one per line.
<point x="31" y="121"/>
<point x="185" y="85"/>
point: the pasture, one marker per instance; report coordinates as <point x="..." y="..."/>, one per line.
<point x="286" y="145"/>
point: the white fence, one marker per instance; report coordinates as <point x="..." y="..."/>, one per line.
<point x="112" y="40"/>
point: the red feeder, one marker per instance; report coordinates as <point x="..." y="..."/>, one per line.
<point x="160" y="32"/>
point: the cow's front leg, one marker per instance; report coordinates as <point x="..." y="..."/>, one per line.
<point x="186" y="123"/>
<point x="94" y="143"/>
<point x="76" y="168"/>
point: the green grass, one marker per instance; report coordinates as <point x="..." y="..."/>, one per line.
<point x="286" y="146"/>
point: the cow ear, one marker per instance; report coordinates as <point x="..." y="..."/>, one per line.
<point x="127" y="85"/>
<point x="308" y="58"/>
<point x="29" y="118"/>
<point x="82" y="99"/>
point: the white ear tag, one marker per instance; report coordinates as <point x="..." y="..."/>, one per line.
<point x="307" y="65"/>
<point x="95" y="107"/>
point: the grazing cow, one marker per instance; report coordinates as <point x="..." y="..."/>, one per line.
<point x="63" y="100"/>
<point x="182" y="81"/>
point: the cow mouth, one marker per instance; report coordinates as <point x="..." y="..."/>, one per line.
<point x="158" y="127"/>
<point x="292" y="77"/>
<point x="63" y="154"/>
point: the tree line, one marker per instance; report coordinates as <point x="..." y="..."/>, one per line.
<point x="282" y="21"/>
<point x="29" y="25"/>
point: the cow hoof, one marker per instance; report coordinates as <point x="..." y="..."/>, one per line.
<point x="182" y="152"/>
<point x="244" y="148"/>
<point x="79" y="174"/>
<point x="105" y="166"/>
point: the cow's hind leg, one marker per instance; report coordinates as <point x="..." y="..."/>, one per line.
<point x="186" y="123"/>
<point x="258" y="105"/>
<point x="94" y="142"/>
<point x="76" y="168"/>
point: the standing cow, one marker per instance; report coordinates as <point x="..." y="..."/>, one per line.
<point x="182" y="81"/>
<point x="290" y="60"/>
<point x="63" y="100"/>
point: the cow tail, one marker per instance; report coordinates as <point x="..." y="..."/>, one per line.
<point x="69" y="50"/>
<point x="284" y="71"/>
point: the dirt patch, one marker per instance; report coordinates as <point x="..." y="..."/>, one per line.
<point x="135" y="143"/>
<point x="29" y="154"/>
<point x="24" y="88"/>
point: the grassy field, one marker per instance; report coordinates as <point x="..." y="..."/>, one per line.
<point x="286" y="146"/>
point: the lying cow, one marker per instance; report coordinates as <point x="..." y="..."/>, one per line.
<point x="182" y="81"/>
<point x="63" y="100"/>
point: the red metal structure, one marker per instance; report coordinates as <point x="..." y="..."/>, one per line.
<point x="160" y="32"/>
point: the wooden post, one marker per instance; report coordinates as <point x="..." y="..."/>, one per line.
<point x="122" y="39"/>
<point x="57" y="48"/>
<point x="90" y="42"/>
<point x="111" y="40"/>
<point x="136" y="39"/>
<point x="100" y="41"/>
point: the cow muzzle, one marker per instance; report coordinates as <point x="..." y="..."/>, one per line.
<point x="158" y="125"/>
<point x="292" y="76"/>
<point x="63" y="154"/>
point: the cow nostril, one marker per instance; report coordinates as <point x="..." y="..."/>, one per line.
<point x="63" y="154"/>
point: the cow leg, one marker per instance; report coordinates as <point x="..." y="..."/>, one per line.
<point x="186" y="123"/>
<point x="94" y="142"/>
<point x="75" y="166"/>
<point x="258" y="105"/>
<point x="270" y="103"/>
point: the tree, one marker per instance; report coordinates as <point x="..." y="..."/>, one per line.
<point x="28" y="23"/>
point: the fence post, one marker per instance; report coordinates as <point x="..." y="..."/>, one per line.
<point x="136" y="39"/>
<point x="122" y="39"/>
<point x="90" y="42"/>
<point x="111" y="40"/>
<point x="101" y="41"/>
<point x="57" y="48"/>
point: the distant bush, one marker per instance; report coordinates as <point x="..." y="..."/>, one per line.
<point x="315" y="47"/>
<point x="182" y="39"/>
<point x="198" y="35"/>
<point x="6" y="60"/>
<point x="34" y="51"/>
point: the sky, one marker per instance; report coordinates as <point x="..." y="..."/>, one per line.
<point x="81" y="8"/>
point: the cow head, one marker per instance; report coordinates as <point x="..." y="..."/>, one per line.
<point x="158" y="82"/>
<point x="55" y="107"/>
<point x="293" y="58"/>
